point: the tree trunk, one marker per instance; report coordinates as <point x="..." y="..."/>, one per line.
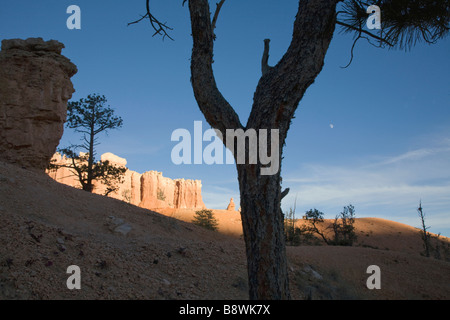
<point x="262" y="222"/>
<point x="90" y="169"/>
<point x="274" y="103"/>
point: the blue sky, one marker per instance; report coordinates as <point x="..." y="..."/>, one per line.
<point x="389" y="143"/>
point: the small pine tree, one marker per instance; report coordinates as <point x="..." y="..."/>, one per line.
<point x="205" y="218"/>
<point x="91" y="117"/>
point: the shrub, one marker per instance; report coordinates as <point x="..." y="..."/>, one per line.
<point x="205" y="218"/>
<point x="126" y="195"/>
<point x="314" y="217"/>
<point x="160" y="195"/>
<point x="294" y="235"/>
<point x="343" y="229"/>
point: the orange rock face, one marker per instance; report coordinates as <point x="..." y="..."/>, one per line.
<point x="34" y="89"/>
<point x="149" y="190"/>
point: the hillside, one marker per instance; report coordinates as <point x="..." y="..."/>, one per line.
<point x="46" y="226"/>
<point x="375" y="233"/>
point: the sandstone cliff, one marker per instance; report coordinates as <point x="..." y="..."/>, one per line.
<point x="34" y="89"/>
<point x="149" y="190"/>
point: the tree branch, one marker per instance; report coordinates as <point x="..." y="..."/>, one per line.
<point x="159" y="27"/>
<point x="360" y="30"/>
<point x="216" y="109"/>
<point x="79" y="172"/>
<point x="265" y="58"/>
<point x="139" y="20"/>
<point x="216" y="15"/>
<point x="284" y="193"/>
<point x="278" y="92"/>
<point x="56" y="166"/>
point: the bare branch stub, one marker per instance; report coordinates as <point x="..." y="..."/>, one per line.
<point x="265" y="59"/>
<point x="216" y="15"/>
<point x="159" y="27"/>
<point x="284" y="193"/>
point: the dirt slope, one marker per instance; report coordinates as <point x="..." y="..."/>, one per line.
<point x="46" y="226"/>
<point x="375" y="233"/>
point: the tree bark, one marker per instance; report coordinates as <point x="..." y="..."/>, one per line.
<point x="275" y="100"/>
<point x="263" y="227"/>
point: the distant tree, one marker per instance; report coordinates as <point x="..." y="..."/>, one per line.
<point x="424" y="232"/>
<point x="433" y="245"/>
<point x="91" y="117"/>
<point x="292" y="233"/>
<point x="205" y="218"/>
<point x="277" y="96"/>
<point x="342" y="226"/>
<point x="297" y="234"/>
<point x="344" y="230"/>
<point x="314" y="218"/>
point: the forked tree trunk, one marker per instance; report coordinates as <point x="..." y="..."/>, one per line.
<point x="276" y="98"/>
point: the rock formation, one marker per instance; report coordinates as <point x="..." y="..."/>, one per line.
<point x="34" y="89"/>
<point x="149" y="190"/>
<point x="113" y="159"/>
<point x="63" y="175"/>
<point x="231" y="205"/>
